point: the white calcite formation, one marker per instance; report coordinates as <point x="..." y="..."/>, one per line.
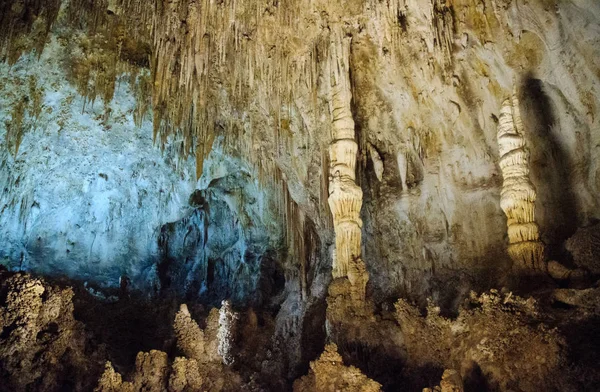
<point x="225" y="334"/>
<point x="518" y="193"/>
<point x="345" y="196"/>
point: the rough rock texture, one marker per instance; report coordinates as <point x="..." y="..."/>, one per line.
<point x="105" y="106"/>
<point x="190" y="338"/>
<point x="518" y="193"/>
<point x="496" y="335"/>
<point x="42" y="347"/>
<point x="584" y="245"/>
<point x="428" y="79"/>
<point x="328" y="374"/>
<point x="86" y="192"/>
<point x="200" y="369"/>
<point x="451" y="382"/>
<point x="227" y="325"/>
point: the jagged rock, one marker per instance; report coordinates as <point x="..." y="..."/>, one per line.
<point x="499" y="334"/>
<point x="587" y="300"/>
<point x="190" y="338"/>
<point x="40" y="340"/>
<point x="252" y="90"/>
<point x="329" y="374"/>
<point x="451" y="382"/>
<point x="584" y="245"/>
<point x="185" y="375"/>
<point x="111" y="381"/>
<point x="151" y="371"/>
<point x="203" y="369"/>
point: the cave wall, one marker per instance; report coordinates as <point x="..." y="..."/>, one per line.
<point x="87" y="190"/>
<point x="428" y="80"/>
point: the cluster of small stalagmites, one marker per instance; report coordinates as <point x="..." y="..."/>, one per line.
<point x="200" y="367"/>
<point x="329" y="374"/>
<point x="518" y="193"/>
<point x="499" y="334"/>
<point x="345" y="196"/>
<point x="153" y="373"/>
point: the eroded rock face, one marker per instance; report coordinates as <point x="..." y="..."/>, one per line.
<point x="451" y="382"/>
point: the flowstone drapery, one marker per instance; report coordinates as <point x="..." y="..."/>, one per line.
<point x="518" y="193"/>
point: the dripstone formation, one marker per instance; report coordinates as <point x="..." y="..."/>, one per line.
<point x="299" y="195"/>
<point x="518" y="193"/>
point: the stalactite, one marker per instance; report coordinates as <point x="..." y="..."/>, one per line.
<point x="518" y="193"/>
<point x="377" y="162"/>
<point x="19" y="19"/>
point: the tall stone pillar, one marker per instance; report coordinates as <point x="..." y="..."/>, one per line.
<point x="518" y="193"/>
<point x="345" y="196"/>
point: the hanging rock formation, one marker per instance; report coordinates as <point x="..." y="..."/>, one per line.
<point x="518" y="193"/>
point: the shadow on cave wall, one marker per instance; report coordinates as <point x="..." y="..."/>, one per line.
<point x="209" y="256"/>
<point x="551" y="166"/>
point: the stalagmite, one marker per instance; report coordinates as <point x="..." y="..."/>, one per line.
<point x="345" y="197"/>
<point x="518" y="193"/>
<point x="227" y="322"/>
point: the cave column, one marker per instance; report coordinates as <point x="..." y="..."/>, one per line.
<point x="518" y="195"/>
<point x="345" y="196"/>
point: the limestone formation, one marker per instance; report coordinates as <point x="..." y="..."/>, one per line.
<point x="377" y="162"/>
<point x="499" y="335"/>
<point x="40" y="340"/>
<point x="518" y="193"/>
<point x="227" y="324"/>
<point x="151" y="375"/>
<point x="329" y="374"/>
<point x="299" y="128"/>
<point x="201" y="367"/>
<point x="185" y="375"/>
<point x="451" y="382"/>
<point x="111" y="381"/>
<point x="190" y="338"/>
<point x="345" y="196"/>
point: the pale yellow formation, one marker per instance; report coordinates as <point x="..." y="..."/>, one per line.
<point x="345" y="197"/>
<point x="190" y="338"/>
<point x="518" y="193"/>
<point x="329" y="374"/>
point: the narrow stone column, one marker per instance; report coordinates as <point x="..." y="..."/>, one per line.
<point x="345" y="196"/>
<point x="518" y="193"/>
